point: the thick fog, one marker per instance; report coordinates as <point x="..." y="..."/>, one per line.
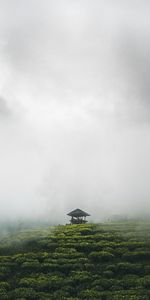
<point x="74" y="108"/>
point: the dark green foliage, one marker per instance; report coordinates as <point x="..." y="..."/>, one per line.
<point x="101" y="256"/>
<point x="78" y="262"/>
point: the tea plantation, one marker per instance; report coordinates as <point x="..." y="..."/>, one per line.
<point x="109" y="261"/>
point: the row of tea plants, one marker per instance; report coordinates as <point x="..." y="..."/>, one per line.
<point x="109" y="261"/>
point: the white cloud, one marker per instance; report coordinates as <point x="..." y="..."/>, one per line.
<point x="77" y="129"/>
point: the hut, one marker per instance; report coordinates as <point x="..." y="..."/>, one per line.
<point x="78" y="216"/>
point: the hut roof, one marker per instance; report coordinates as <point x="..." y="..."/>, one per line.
<point x="78" y="213"/>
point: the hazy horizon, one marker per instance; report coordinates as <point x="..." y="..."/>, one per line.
<point x="74" y="108"/>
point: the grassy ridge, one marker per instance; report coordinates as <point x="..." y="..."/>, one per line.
<point x="109" y="261"/>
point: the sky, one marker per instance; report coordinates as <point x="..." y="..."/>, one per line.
<point x="74" y="108"/>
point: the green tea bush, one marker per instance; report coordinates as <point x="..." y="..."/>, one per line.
<point x="5" y="285"/>
<point x="134" y="256"/>
<point x="124" y="268"/>
<point x="90" y="294"/>
<point x="145" y="281"/>
<point x="77" y="262"/>
<point x="30" y="266"/>
<point x="26" y="293"/>
<point x="101" y="256"/>
<point x="3" y="294"/>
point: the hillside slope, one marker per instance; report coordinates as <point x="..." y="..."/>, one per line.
<point x="109" y="261"/>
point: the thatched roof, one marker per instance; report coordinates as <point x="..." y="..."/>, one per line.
<point x="78" y="213"/>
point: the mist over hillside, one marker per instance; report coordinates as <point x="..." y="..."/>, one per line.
<point x="74" y="109"/>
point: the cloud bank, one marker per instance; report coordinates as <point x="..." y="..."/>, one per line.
<point x="74" y="108"/>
